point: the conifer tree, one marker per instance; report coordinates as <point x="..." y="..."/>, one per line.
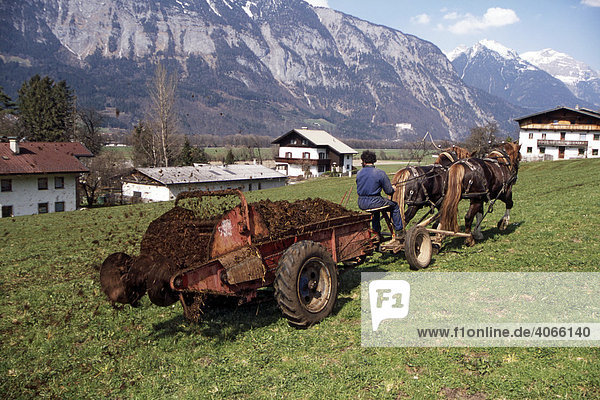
<point x="46" y="110"/>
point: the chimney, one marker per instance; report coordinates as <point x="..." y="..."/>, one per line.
<point x="14" y="145"/>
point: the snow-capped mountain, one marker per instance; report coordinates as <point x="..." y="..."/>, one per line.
<point x="258" y="66"/>
<point x="583" y="81"/>
<point x="490" y="66"/>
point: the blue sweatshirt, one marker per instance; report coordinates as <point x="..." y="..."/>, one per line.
<point x="370" y="181"/>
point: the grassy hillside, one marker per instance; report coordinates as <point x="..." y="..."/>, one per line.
<point x="62" y="339"/>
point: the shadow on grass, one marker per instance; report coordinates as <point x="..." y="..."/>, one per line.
<point x="458" y="243"/>
<point x="224" y="321"/>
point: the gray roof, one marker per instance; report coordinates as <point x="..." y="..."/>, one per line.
<point x="209" y="173"/>
<point x="583" y="111"/>
<point x="322" y="138"/>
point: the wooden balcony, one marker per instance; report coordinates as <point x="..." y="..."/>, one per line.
<point x="306" y="161"/>
<point x="562" y="143"/>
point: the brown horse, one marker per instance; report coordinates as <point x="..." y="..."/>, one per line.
<point x="417" y="187"/>
<point x="480" y="180"/>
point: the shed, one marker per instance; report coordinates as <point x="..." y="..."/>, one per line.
<point x="165" y="183"/>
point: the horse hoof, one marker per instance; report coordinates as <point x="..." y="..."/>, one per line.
<point x="502" y="224"/>
<point x="470" y="241"/>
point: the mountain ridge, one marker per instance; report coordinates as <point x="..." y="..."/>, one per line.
<point x="501" y="71"/>
<point x="247" y="66"/>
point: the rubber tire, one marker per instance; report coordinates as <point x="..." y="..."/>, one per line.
<point x="418" y="247"/>
<point x="298" y="303"/>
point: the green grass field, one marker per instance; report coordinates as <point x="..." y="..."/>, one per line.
<point x="60" y="337"/>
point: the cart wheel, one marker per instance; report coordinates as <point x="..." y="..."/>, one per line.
<point x="306" y="284"/>
<point x="418" y="248"/>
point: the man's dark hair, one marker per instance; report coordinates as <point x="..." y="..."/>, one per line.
<point x="368" y="157"/>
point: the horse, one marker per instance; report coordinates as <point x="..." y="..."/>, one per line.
<point x="480" y="181"/>
<point x="422" y="186"/>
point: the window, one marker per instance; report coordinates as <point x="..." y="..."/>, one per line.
<point x="59" y="206"/>
<point x="594" y="152"/>
<point x="596" y="136"/>
<point x="137" y="194"/>
<point x="529" y="150"/>
<point x="322" y="156"/>
<point x="304" y="142"/>
<point x="581" y="152"/>
<point x="42" y="183"/>
<point x="42" y="208"/>
<point x="306" y="155"/>
<point x="582" y="136"/>
<point x="7" y="185"/>
<point x="562" y="135"/>
<point x="288" y="154"/>
<point x="542" y="150"/>
<point x="59" y="182"/>
<point x="293" y="141"/>
<point x="321" y="168"/>
<point x="7" y="211"/>
<point x="543" y="136"/>
<point x="530" y="135"/>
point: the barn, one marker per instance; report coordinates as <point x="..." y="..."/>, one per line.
<point x="165" y="183"/>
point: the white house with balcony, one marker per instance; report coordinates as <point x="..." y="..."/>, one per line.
<point x="561" y="133"/>
<point x="40" y="177"/>
<point x="307" y="152"/>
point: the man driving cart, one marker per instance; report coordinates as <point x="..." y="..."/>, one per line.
<point x="370" y="181"/>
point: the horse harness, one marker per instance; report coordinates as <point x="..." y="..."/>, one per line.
<point x="506" y="183"/>
<point x="421" y="179"/>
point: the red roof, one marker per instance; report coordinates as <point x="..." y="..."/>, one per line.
<point x="43" y="158"/>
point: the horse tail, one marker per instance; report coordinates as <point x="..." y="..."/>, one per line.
<point x="400" y="183"/>
<point x="449" y="210"/>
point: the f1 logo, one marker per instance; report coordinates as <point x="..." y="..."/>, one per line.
<point x="389" y="300"/>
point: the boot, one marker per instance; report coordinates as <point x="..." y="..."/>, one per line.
<point x="400" y="235"/>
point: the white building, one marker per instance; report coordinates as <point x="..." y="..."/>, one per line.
<point x="311" y="153"/>
<point x="561" y="133"/>
<point x="165" y="183"/>
<point x="40" y="177"/>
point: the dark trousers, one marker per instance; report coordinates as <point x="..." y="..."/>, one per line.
<point x="368" y="202"/>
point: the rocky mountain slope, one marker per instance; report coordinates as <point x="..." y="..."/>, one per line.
<point x="500" y="71"/>
<point x="261" y="66"/>
<point x="580" y="78"/>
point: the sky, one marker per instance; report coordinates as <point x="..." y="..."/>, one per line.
<point x="567" y="26"/>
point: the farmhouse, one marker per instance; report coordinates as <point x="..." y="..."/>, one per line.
<point x="561" y="133"/>
<point x="312" y="152"/>
<point x="40" y="177"/>
<point x="165" y="183"/>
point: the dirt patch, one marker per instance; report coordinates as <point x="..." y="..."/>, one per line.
<point x="461" y="393"/>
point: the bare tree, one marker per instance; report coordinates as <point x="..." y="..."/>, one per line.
<point x="105" y="170"/>
<point x="162" y="119"/>
<point x="482" y="139"/>
<point x="88" y="129"/>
